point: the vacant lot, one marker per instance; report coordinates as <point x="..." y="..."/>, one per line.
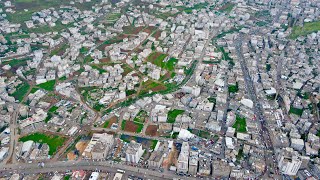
<point x="81" y="146"/>
<point x="149" y="29"/>
<point x="152" y="130"/>
<point x="110" y="121"/>
<point x="131" y="126"/>
<point x="54" y="142"/>
<point x="157" y="34"/>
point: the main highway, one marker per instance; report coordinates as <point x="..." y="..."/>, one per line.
<point x="104" y="166"/>
<point x="269" y="156"/>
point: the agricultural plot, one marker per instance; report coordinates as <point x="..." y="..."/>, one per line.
<point x="49" y="85"/>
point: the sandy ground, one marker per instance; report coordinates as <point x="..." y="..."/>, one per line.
<point x="80" y="146"/>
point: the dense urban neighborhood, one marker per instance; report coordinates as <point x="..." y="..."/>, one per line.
<point x="159" y="89"/>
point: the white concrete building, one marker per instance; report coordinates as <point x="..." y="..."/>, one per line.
<point x="183" y="159"/>
<point x="289" y="161"/>
<point x="297" y="144"/>
<point x="99" y="146"/>
<point x="134" y="152"/>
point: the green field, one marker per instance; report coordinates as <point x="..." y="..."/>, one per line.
<point x="233" y="88"/>
<point x="141" y="116"/>
<point x="60" y="50"/>
<point x="54" y="142"/>
<point x="15" y="63"/>
<point x="211" y="62"/>
<point x="98" y="107"/>
<point x="268" y="67"/>
<point x="97" y="67"/>
<point x="106" y="124"/>
<point x="151" y="85"/>
<point x="49" y="85"/>
<point x="166" y="15"/>
<point x="53" y="109"/>
<point x="67" y="177"/>
<point x="212" y="99"/>
<point x="261" y="23"/>
<point x="296" y="111"/>
<point x="44" y="29"/>
<point x="240" y="154"/>
<point x="48" y="118"/>
<point x="172" y="115"/>
<point x="200" y="133"/>
<point x="227" y="8"/>
<point x="33" y="90"/>
<point x="32" y="6"/>
<point x="153" y="144"/>
<point x="37" y="5"/>
<point x="307" y="28"/>
<point x="170" y="64"/>
<point x="188" y="10"/>
<point x="113" y="17"/>
<point x="262" y="14"/>
<point x="123" y="124"/>
<point x="158" y="59"/>
<point x="63" y="78"/>
<point x="140" y="127"/>
<point x="225" y="55"/>
<point x="224" y="33"/>
<point x="174" y="135"/>
<point x="30" y="72"/>
<point x="84" y="50"/>
<point x="21" y="91"/>
<point x="240" y="124"/>
<point x="130" y="92"/>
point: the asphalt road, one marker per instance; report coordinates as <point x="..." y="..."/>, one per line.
<point x="104" y="166"/>
<point x="257" y="106"/>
